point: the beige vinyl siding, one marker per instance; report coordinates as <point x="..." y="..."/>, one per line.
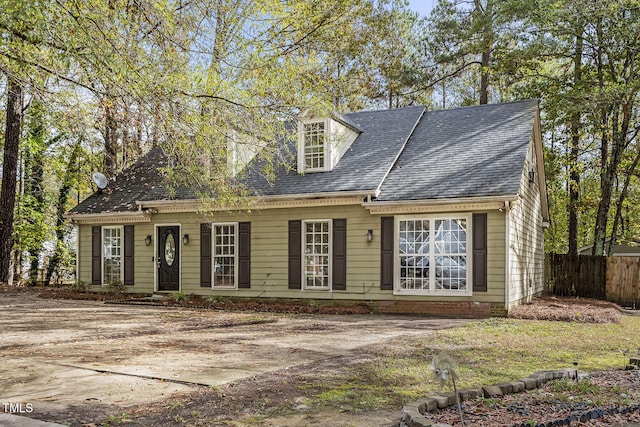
<point x="526" y="246"/>
<point x="269" y="255"/>
<point x="495" y="258"/>
<point x="143" y="266"/>
<point x="143" y="259"/>
<point x="84" y="254"/>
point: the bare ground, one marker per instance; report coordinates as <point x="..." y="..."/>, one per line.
<point x="281" y="397"/>
<point x="87" y="363"/>
<point x="549" y="307"/>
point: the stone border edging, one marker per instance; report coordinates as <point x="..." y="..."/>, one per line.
<point x="416" y="414"/>
<point x="627" y="312"/>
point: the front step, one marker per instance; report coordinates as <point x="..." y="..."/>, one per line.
<point x="155" y="299"/>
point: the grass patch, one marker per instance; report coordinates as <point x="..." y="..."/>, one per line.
<point x="487" y="352"/>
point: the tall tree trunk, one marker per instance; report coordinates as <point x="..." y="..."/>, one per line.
<point x="619" y="125"/>
<point x="484" y="77"/>
<point x="110" y="139"/>
<point x="617" y="219"/>
<point x="63" y="195"/>
<point x="574" y="151"/>
<point x="9" y="169"/>
<point x="34" y="186"/>
<point x="485" y="14"/>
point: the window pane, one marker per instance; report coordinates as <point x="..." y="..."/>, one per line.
<point x="451" y="273"/>
<point x="170" y="250"/>
<point x="433" y="246"/>
<point x="316" y="260"/>
<point x="451" y="236"/>
<point x="314" y="146"/>
<point x="224" y="262"/>
<point x="112" y="255"/>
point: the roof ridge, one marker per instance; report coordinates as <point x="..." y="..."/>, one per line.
<point x="385" y="110"/>
<point x="468" y="107"/>
<point x="399" y="154"/>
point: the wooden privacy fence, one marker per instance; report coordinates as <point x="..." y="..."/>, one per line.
<point x="615" y="279"/>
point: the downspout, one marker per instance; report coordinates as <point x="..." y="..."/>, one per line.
<point x="507" y="243"/>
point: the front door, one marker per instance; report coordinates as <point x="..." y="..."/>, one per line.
<point x="169" y="258"/>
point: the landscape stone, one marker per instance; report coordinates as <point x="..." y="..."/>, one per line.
<point x="415" y="412"/>
<point x="505" y="387"/>
<point x="492" y="391"/>
<point x="442" y="401"/>
<point x="529" y="383"/>
<point x="464" y="395"/>
<point x="572" y="373"/>
<point x="431" y="404"/>
<point x="451" y="397"/>
<point x="517" y="386"/>
<point x="475" y="393"/>
<point x="544" y="376"/>
<point x="415" y="419"/>
<point x="419" y="405"/>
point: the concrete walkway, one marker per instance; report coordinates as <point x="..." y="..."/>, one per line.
<point x="10" y="420"/>
<point x="56" y="355"/>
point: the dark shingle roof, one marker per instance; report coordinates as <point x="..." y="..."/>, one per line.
<point x="130" y="186"/>
<point x="465" y="152"/>
<point x="362" y="167"/>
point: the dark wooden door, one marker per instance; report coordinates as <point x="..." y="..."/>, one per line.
<point x="169" y="258"/>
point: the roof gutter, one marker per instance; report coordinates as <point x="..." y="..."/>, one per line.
<point x="395" y="160"/>
<point x="328" y="195"/>
<point x="262" y="202"/>
<point x="128" y="216"/>
<point x="463" y="203"/>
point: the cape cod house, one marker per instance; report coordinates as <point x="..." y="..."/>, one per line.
<point x="433" y="212"/>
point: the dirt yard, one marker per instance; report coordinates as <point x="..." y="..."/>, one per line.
<point x="90" y="363"/>
<point x="87" y="363"/>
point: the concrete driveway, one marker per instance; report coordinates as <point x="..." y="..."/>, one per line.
<point x="56" y="354"/>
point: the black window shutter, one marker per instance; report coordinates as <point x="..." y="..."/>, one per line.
<point x="480" y="252"/>
<point x="339" y="256"/>
<point x="205" y="255"/>
<point x="129" y="244"/>
<point x="295" y="254"/>
<point x="96" y="252"/>
<point x="386" y="253"/>
<point x="244" y="255"/>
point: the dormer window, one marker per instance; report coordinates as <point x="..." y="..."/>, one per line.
<point x="314" y="146"/>
<point x="322" y="142"/>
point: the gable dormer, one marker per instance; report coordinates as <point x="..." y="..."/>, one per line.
<point x="241" y="149"/>
<point x="322" y="142"/>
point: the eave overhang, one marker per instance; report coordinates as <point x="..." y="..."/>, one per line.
<point x="259" y="203"/>
<point x="109" y="217"/>
<point x="442" y="205"/>
<point x="148" y="208"/>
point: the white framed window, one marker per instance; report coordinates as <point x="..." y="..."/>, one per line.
<point x="314" y="146"/>
<point x="432" y="255"/>
<point x="316" y="247"/>
<point x="225" y="255"/>
<point x="112" y="255"/>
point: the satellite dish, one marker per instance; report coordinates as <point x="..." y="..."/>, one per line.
<point x="100" y="180"/>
